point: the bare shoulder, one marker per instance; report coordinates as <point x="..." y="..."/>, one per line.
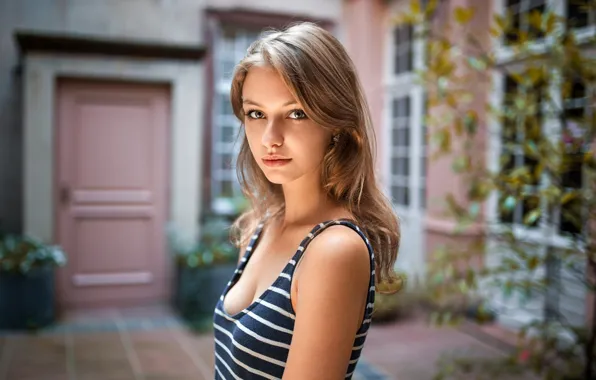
<point x="341" y="241"/>
<point x="339" y="248"/>
<point x="333" y="283"/>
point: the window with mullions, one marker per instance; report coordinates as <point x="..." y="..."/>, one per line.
<point x="576" y="114"/>
<point x="230" y="47"/>
<point x="515" y="133"/>
<point x="403" y="57"/>
<point x="581" y="13"/>
<point x="519" y="10"/>
<point x="400" y="150"/>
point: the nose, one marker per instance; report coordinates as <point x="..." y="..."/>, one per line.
<point x="272" y="136"/>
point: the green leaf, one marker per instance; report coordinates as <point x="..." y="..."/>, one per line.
<point x="463" y="15"/>
<point x="535" y="19"/>
<point x="474" y="209"/>
<point x="509" y="203"/>
<point x="415" y="8"/>
<point x="533" y="262"/>
<point x="460" y="164"/>
<point x="476" y="63"/>
<point x="463" y="287"/>
<point x="508" y="289"/>
<point x="532" y="216"/>
<point x="501" y="22"/>
<point x="569" y="196"/>
<point x="471" y="122"/>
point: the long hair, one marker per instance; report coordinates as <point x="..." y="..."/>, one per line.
<point x="321" y="76"/>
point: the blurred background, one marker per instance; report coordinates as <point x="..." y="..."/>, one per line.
<point x="117" y="148"/>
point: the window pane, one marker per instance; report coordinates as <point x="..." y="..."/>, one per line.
<point x="572" y="135"/>
<point x="400" y="166"/>
<point x="520" y="10"/>
<point x="406" y="196"/>
<point x="410" y="58"/>
<point x="400" y="195"/>
<point x="423" y="197"/>
<point x="571" y="218"/>
<point x="403" y="137"/>
<point x="395" y="137"/>
<point x="571" y="175"/>
<point x="402" y="40"/>
<point x="531" y="165"/>
<point x="395" y="108"/>
<point x="227" y="68"/>
<point x="225" y="105"/>
<point x="404" y="63"/>
<point x="228" y="134"/>
<point x="578" y="13"/>
<point x="226" y="161"/>
<point x="227" y="189"/>
<point x="423" y="166"/>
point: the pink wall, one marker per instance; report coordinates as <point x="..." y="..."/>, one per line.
<point x="441" y="179"/>
<point x="363" y="28"/>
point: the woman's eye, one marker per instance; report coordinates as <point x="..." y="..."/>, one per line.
<point x="297" y="114"/>
<point x="254" y="114"/>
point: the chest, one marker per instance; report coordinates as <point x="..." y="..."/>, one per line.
<point x="270" y="256"/>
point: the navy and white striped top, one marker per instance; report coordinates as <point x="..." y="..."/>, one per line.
<point x="255" y="342"/>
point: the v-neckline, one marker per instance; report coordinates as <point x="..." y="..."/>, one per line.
<point x="249" y="252"/>
<point x="240" y="270"/>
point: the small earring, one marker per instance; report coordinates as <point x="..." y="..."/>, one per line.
<point x="336" y="139"/>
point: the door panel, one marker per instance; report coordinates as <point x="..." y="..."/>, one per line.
<point x="112" y="158"/>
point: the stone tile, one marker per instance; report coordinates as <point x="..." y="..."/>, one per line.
<point x="160" y="354"/>
<point x="31" y="350"/>
<point x="86" y="315"/>
<point x="398" y="348"/>
<point x="149" y="311"/>
<point x="200" y="349"/>
<point x="37" y="371"/>
<point x="97" y="346"/>
<point x="114" y="368"/>
<point x="406" y="349"/>
<point x="204" y="347"/>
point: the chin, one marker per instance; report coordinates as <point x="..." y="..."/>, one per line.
<point x="278" y="178"/>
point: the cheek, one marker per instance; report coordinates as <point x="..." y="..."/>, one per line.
<point x="314" y="144"/>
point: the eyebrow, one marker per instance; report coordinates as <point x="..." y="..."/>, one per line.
<point x="248" y="101"/>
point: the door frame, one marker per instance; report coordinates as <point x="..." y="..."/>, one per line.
<point x="64" y="85"/>
<point x="41" y="73"/>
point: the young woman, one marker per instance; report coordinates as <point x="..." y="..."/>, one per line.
<point x="300" y="302"/>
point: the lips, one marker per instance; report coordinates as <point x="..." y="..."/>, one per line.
<point x="275" y="160"/>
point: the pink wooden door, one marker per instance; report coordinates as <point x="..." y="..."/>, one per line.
<point x="111" y="191"/>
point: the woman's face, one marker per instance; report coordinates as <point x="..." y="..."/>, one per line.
<point x="285" y="143"/>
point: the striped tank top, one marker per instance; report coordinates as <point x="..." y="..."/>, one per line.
<point x="255" y="342"/>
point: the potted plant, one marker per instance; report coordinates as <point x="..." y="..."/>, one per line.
<point x="27" y="281"/>
<point x="204" y="267"/>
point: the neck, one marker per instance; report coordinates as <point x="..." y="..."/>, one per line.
<point x="305" y="201"/>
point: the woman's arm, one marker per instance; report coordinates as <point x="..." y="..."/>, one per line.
<point x="333" y="287"/>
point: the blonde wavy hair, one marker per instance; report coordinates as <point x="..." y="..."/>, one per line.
<point x="322" y="78"/>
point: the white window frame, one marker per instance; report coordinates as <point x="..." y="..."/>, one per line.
<point x="506" y="57"/>
<point x="225" y="52"/>
<point x="545" y="234"/>
<point x="395" y="87"/>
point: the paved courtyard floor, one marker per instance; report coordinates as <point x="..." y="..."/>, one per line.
<point x="149" y="343"/>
